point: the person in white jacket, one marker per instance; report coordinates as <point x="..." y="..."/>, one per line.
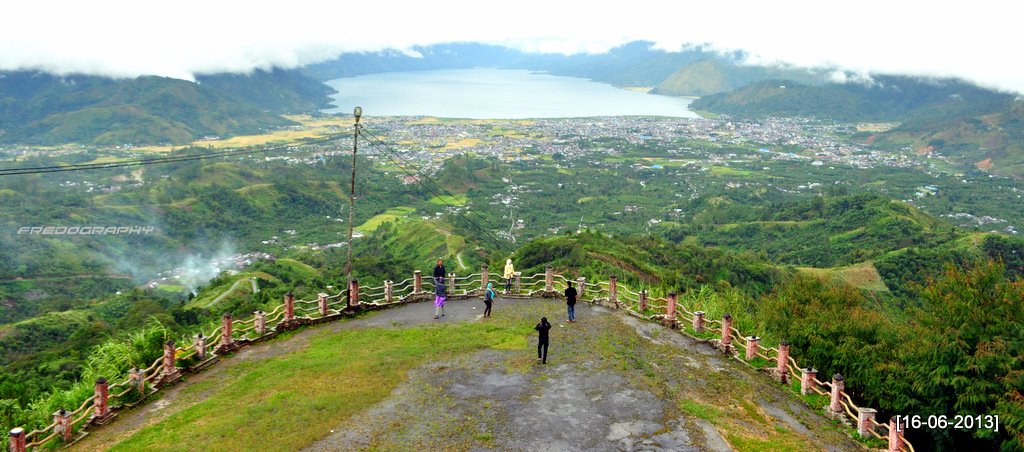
<point x="510" y="272"/>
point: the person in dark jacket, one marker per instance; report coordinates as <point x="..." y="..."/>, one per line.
<point x="570" y="301"/>
<point x="439" y="271"/>
<point x="542" y="344"/>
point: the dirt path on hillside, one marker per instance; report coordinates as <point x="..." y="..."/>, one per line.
<point x="612" y="383"/>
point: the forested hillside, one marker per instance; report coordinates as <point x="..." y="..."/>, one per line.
<point x="40" y="108"/>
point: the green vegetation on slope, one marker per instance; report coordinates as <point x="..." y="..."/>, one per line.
<point x="39" y="108"/>
<point x="714" y="76"/>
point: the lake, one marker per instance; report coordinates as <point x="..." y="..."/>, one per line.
<point x="495" y="94"/>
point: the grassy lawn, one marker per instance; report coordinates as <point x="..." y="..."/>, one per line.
<point x="862" y="276"/>
<point x="296" y="398"/>
<point x="457" y="200"/>
<point x="729" y="171"/>
<point x="394" y="215"/>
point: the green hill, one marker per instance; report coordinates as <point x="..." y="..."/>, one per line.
<point x="714" y="76"/>
<point x="884" y="98"/>
<point x="38" y="108"/>
<point x="991" y="141"/>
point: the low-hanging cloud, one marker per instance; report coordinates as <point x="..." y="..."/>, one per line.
<point x="974" y="41"/>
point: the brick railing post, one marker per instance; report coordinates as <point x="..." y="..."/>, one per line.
<point x="549" y="279"/>
<point x="895" y="436"/>
<point x="417" y="282"/>
<point x="100" y="409"/>
<point x="289" y="307"/>
<point x="199" y="344"/>
<point x="613" y="290"/>
<point x="726" y="343"/>
<point x="260" y="324"/>
<point x="643" y="300"/>
<point x="753" y="344"/>
<point x="62" y="419"/>
<point x="17" y="439"/>
<point x="698" y="321"/>
<point x="807" y="384"/>
<point x="670" y="310"/>
<point x="353" y="293"/>
<point x="137" y="377"/>
<point x="581" y="286"/>
<point x="321" y="302"/>
<point x="449" y="288"/>
<point x="865" y="417"/>
<point x="782" y="363"/>
<point x="484" y="277"/>
<point x="170" y="369"/>
<point x="389" y="291"/>
<point x="835" y="405"/>
<point x="227" y="327"/>
<point x="519" y="281"/>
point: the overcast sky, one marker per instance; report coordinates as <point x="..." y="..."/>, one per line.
<point x="977" y="40"/>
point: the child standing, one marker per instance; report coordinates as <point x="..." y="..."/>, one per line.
<point x="439" y="297"/>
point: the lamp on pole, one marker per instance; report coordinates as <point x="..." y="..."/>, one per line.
<point x="358" y="112"/>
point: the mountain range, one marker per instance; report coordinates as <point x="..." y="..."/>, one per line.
<point x="977" y="128"/>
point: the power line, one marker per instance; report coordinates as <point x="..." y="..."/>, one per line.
<point x="425" y="176"/>
<point x="161" y="160"/>
<point x="391" y="155"/>
<point x="457" y="211"/>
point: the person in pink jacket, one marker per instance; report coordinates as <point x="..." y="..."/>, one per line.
<point x="439" y="297"/>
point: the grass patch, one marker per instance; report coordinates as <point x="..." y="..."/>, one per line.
<point x="393" y="215"/>
<point x="300" y="395"/>
<point x="729" y="171"/>
<point x="862" y="276"/>
<point x="700" y="410"/>
<point x="456" y="200"/>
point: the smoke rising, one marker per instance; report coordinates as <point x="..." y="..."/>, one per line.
<point x="191" y="269"/>
<point x="197" y="269"/>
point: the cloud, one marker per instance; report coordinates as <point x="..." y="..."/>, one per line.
<point x="179" y="39"/>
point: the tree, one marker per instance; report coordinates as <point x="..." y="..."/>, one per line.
<point x="969" y="356"/>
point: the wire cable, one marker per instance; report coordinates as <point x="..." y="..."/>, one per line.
<point x="392" y="155"/>
<point x="425" y="176"/>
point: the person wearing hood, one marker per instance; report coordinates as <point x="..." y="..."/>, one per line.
<point x="510" y="272"/>
<point x="488" y="299"/>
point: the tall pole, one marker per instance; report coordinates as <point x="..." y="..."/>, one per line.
<point x="358" y="112"/>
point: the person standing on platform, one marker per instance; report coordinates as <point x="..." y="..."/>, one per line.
<point x="570" y="301"/>
<point x="488" y="299"/>
<point x="439" y="297"/>
<point x="542" y="344"/>
<point x="439" y="271"/>
<point x="510" y="272"/>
